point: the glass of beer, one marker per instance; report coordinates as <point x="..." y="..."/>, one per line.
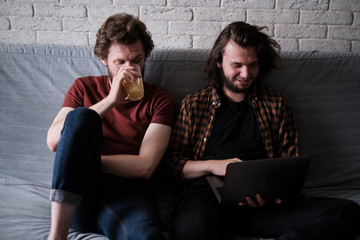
<point x="134" y="88"/>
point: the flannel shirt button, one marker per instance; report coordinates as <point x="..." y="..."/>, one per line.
<point x="213" y="103"/>
<point x="205" y="139"/>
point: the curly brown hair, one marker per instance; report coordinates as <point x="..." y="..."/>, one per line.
<point x="122" y="29"/>
<point x="245" y="35"/>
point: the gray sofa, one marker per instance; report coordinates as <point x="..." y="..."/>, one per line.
<point x="323" y="89"/>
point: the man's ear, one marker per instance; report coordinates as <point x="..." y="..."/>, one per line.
<point x="218" y="65"/>
<point x="104" y="61"/>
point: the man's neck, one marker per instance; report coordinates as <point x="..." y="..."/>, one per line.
<point x="234" y="96"/>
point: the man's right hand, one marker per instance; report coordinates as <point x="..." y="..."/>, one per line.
<point x="117" y="91"/>
<point x="194" y="169"/>
<point x="218" y="167"/>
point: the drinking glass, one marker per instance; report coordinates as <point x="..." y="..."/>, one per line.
<point x="134" y="88"/>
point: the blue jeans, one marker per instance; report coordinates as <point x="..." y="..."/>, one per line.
<point x="306" y="218"/>
<point x="118" y="208"/>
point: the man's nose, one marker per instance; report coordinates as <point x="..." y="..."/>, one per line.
<point x="244" y="72"/>
<point x="127" y="64"/>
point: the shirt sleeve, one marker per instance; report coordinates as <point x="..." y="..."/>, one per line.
<point x="75" y="95"/>
<point x="277" y="124"/>
<point x="165" y="109"/>
<point x="179" y="148"/>
<point x="287" y="132"/>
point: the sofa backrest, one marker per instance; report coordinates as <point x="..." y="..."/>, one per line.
<point x="34" y="80"/>
<point x="324" y="91"/>
<point x="322" y="88"/>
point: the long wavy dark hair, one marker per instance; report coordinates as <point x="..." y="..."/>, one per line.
<point x="123" y="29"/>
<point x="245" y="35"/>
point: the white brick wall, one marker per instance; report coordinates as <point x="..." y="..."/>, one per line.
<point x="306" y="25"/>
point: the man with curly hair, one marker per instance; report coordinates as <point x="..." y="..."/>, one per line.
<point x="108" y="146"/>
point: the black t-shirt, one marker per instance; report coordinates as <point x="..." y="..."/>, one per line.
<point x="235" y="132"/>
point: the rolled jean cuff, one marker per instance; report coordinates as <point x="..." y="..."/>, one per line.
<point x="64" y="196"/>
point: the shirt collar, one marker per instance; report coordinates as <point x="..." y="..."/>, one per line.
<point x="254" y="93"/>
<point x="216" y="100"/>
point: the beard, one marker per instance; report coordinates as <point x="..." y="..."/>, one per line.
<point x="111" y="75"/>
<point x="228" y="84"/>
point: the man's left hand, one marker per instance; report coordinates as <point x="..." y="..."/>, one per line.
<point x="259" y="202"/>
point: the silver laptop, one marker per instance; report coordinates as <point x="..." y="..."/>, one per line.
<point x="272" y="178"/>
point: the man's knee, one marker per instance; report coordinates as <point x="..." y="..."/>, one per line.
<point x="83" y="121"/>
<point x="348" y="213"/>
<point x="84" y="116"/>
<point x="338" y="219"/>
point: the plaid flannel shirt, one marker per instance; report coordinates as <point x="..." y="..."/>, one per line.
<point x="196" y="119"/>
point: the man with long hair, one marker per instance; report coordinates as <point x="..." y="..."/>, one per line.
<point x="236" y="118"/>
<point x="108" y="146"/>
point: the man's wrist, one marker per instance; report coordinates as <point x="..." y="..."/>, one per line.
<point x="110" y="102"/>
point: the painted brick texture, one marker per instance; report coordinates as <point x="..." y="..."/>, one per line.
<point x="304" y="25"/>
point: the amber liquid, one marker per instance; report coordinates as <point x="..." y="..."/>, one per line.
<point x="134" y="89"/>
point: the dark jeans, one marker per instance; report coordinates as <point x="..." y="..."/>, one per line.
<point x="106" y="204"/>
<point x="306" y="218"/>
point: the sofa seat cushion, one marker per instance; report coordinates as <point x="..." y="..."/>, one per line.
<point x="25" y="211"/>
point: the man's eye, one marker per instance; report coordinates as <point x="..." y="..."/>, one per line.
<point x="137" y="61"/>
<point x="119" y="62"/>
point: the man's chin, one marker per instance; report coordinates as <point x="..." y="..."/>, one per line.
<point x="235" y="89"/>
<point x="241" y="90"/>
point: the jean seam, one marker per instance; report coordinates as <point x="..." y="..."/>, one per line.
<point x="118" y="219"/>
